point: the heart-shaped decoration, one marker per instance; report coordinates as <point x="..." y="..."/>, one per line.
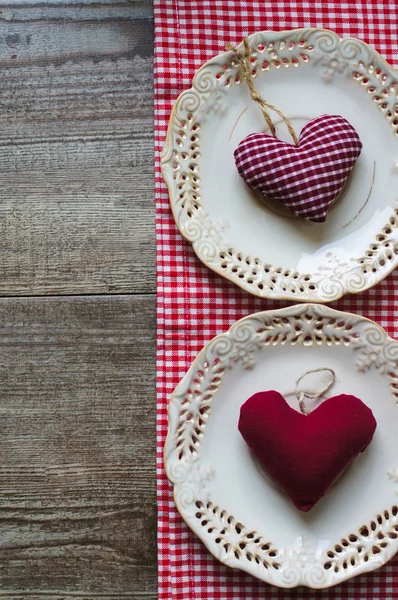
<point x="306" y="178"/>
<point x="305" y="453"/>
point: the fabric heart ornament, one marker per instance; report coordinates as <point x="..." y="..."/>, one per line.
<point x="305" y="453"/>
<point x="306" y="178"/>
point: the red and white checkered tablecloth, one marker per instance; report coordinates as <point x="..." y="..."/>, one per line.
<point x="195" y="304"/>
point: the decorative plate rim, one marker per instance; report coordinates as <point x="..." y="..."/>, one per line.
<point x="196" y="226"/>
<point x="385" y="524"/>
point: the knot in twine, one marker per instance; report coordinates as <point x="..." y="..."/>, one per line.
<point x="257" y="98"/>
<point x="313" y="395"/>
<point x="243" y="59"/>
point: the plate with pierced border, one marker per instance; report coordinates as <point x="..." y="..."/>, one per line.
<point x="245" y="521"/>
<point x="255" y="242"/>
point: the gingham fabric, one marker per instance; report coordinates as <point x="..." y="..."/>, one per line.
<point x="306" y="178"/>
<point x="195" y="304"/>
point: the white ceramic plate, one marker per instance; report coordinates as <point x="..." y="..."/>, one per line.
<point x="261" y="247"/>
<point x="244" y="520"/>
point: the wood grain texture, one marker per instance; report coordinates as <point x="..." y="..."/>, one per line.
<point x="76" y="148"/>
<point x="77" y="447"/>
<point x="77" y="409"/>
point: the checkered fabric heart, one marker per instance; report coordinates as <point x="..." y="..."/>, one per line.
<point x="306" y="178"/>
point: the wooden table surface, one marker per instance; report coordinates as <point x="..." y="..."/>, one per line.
<point x="77" y="300"/>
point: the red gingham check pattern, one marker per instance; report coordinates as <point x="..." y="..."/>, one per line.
<point x="306" y="178"/>
<point x="194" y="304"/>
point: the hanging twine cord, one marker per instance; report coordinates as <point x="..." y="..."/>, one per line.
<point x="243" y="60"/>
<point x="313" y="395"/>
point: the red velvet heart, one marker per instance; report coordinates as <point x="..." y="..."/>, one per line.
<point x="305" y="454"/>
<point x="306" y="178"/>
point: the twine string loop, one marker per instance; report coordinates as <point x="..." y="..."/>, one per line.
<point x="243" y="59"/>
<point x="300" y="395"/>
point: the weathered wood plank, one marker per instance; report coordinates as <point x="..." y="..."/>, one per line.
<point x="76" y="9"/>
<point x="76" y="148"/>
<point x="77" y="447"/>
<point x="43" y="595"/>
